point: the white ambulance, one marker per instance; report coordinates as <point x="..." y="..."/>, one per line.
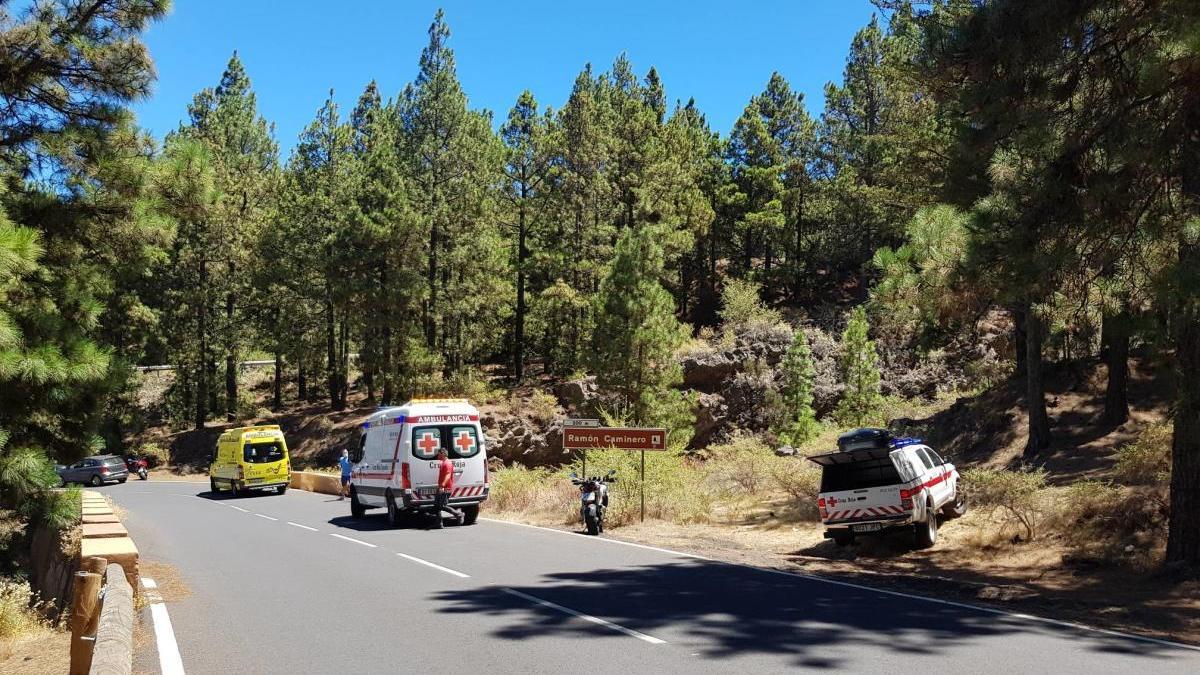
<point x="396" y="464"/>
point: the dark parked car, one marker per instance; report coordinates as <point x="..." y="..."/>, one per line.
<point x="95" y="470"/>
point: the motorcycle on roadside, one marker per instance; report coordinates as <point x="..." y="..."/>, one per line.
<point x="137" y="466"/>
<point x="593" y="497"/>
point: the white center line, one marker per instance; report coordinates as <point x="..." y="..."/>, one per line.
<point x="357" y="541"/>
<point x="169" y="661"/>
<point x="587" y="617"/>
<point x="239" y="508"/>
<point x="447" y="570"/>
<point x="267" y="517"/>
<point x="305" y="527"/>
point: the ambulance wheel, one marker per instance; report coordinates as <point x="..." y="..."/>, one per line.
<point x="356" y="508"/>
<point x="282" y="489"/>
<point x="212" y="485"/>
<point x="470" y="514"/>
<point x="393" y="512"/>
<point x="926" y="532"/>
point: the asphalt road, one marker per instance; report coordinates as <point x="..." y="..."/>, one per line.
<point x="285" y="584"/>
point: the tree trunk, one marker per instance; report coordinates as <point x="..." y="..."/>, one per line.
<point x="431" y="279"/>
<point x="1035" y="394"/>
<point x="1020" y="343"/>
<point x="343" y="364"/>
<point x="1183" y="527"/>
<point x="231" y="360"/>
<point x="519" y="319"/>
<point x="331" y="360"/>
<point x="1115" y="332"/>
<point x="302" y="383"/>
<point x="202" y="327"/>
<point x="277" y="384"/>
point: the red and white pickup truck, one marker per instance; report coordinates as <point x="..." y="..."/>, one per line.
<point x="876" y="483"/>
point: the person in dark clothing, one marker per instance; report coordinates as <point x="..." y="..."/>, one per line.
<point x="441" y="500"/>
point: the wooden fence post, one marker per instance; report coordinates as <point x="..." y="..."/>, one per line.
<point x="85" y="606"/>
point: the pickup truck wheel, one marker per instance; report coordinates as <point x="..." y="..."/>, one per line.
<point x="956" y="508"/>
<point x="356" y="508"/>
<point x="926" y="532"/>
<point x="843" y="540"/>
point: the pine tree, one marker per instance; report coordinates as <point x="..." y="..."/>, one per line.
<point x="244" y="157"/>
<point x="527" y="174"/>
<point x="799" y="421"/>
<point x="452" y="158"/>
<point x="636" y="331"/>
<point x="861" y="401"/>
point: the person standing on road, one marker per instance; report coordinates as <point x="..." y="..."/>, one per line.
<point x="441" y="501"/>
<point x="346" y="466"/>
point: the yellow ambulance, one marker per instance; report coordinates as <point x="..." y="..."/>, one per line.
<point x="250" y="458"/>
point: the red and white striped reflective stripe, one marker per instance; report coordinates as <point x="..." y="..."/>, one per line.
<point x="469" y="491"/>
<point x="871" y="512"/>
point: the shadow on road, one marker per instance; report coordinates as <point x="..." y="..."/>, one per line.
<point x="374" y="523"/>
<point x="728" y="611"/>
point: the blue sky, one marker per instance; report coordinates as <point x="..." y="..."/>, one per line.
<point x="719" y="52"/>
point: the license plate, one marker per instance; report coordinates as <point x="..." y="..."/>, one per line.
<point x="256" y="480"/>
<point x="867" y="527"/>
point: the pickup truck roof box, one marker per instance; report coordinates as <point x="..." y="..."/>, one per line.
<point x="852" y="456"/>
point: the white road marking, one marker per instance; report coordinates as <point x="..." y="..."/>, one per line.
<point x="267" y="517"/>
<point x="305" y="527"/>
<point x="882" y="591"/>
<point x="357" y="541"/>
<point x="239" y="508"/>
<point x="169" y="661"/>
<point x="587" y="617"/>
<point x="447" y="570"/>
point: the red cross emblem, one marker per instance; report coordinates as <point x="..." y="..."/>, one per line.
<point x="833" y="501"/>
<point x="428" y="443"/>
<point x="464" y="442"/>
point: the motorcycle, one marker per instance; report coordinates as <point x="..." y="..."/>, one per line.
<point x="593" y="497"/>
<point x="137" y="466"/>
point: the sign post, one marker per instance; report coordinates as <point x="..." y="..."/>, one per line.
<point x="588" y="437"/>
<point x="581" y="422"/>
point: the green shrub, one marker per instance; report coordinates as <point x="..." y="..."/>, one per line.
<point x="741" y="306"/>
<point x="1148" y="459"/>
<point x="1016" y="495"/>
<point x="471" y="384"/>
<point x="676" y="489"/>
<point x="542" y="406"/>
<point x="742" y="465"/>
<point x="154" y="454"/>
<point x="800" y="479"/>
<point x="522" y="490"/>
